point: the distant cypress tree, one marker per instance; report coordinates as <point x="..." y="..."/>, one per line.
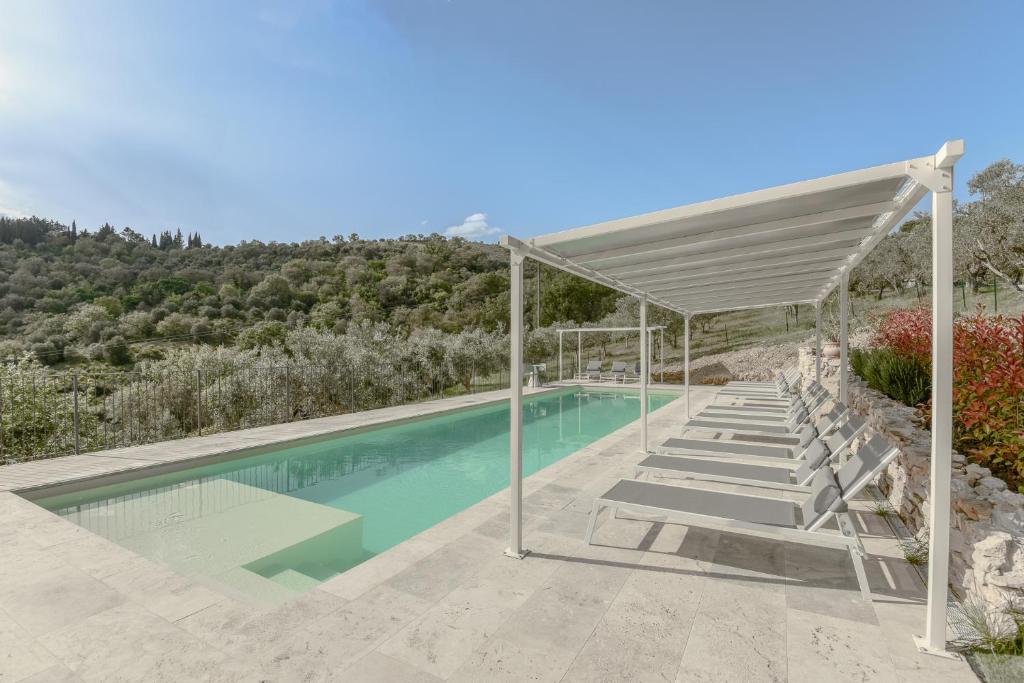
<point x="179" y="240"/>
<point x="74" y="230"/>
<point x="166" y="240"/>
<point x="199" y="241"/>
<point x="155" y="245"/>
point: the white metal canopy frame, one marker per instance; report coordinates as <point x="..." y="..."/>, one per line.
<point x="784" y="245"/>
<point x="580" y="331"/>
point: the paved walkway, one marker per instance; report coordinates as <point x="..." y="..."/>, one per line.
<point x="649" y="601"/>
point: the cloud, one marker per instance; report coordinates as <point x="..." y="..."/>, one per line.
<point x="474" y="227"/>
<point x="8" y="202"/>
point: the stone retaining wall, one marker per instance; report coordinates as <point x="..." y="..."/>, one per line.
<point x="987" y="530"/>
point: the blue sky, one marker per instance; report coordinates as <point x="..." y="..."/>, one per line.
<point x="291" y="120"/>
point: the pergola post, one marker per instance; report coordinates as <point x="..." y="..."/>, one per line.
<point x="579" y="353"/>
<point x="934" y="640"/>
<point x="515" y="528"/>
<point x="661" y="355"/>
<point x="686" y="361"/>
<point x="559" y="355"/>
<point x="817" y="342"/>
<point x="844" y="336"/>
<point x="644" y="373"/>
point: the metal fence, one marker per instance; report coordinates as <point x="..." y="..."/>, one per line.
<point x="45" y="414"/>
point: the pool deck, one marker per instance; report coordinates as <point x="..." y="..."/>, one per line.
<point x="649" y="601"/>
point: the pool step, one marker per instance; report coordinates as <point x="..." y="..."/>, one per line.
<point x="296" y="581"/>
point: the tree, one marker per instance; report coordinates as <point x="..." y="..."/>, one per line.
<point x="116" y="351"/>
<point x="994" y="224"/>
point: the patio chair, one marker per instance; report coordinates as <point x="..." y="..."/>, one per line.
<point x="632" y="373"/>
<point x="780" y="446"/>
<point x="618" y="372"/>
<point x="771" y="518"/>
<point x="753" y="464"/>
<point x="593" y="371"/>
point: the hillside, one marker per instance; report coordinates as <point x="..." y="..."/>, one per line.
<point x="71" y="295"/>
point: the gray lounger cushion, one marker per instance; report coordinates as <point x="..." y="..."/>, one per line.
<point x="865" y="461"/>
<point x="814" y="457"/>
<point x="674" y="463"/>
<point x="825" y="497"/>
<point x="769" y="511"/>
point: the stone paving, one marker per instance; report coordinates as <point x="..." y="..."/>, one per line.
<point x="648" y="601"/>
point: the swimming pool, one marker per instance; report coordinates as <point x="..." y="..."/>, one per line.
<point x="273" y="523"/>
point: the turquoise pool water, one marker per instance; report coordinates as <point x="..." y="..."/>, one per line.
<point x="298" y="515"/>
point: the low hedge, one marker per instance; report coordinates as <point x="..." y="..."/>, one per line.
<point x="905" y="379"/>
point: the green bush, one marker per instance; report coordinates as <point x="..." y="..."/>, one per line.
<point x="902" y="378"/>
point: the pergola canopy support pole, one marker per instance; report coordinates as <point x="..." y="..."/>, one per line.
<point x="645" y="372"/>
<point x="515" y="534"/>
<point x="817" y="342"/>
<point x="579" y="354"/>
<point x="560" y="355"/>
<point x="661" y="355"/>
<point x="844" y="337"/>
<point x="934" y="640"/>
<point x="686" y="362"/>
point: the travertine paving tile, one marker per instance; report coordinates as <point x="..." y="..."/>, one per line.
<point x="128" y="643"/>
<point x="737" y="633"/>
<point x="55" y="598"/>
<point x="20" y="655"/>
<point x="828" y="648"/>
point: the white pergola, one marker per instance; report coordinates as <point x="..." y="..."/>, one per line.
<point x="580" y="331"/>
<point x="790" y="244"/>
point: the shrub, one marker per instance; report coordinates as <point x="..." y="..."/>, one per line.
<point x="903" y="378"/>
<point x="988" y="382"/>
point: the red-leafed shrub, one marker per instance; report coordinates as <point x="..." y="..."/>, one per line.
<point x="907" y="331"/>
<point x="988" y="382"/>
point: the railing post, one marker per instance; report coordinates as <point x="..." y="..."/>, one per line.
<point x="199" y="401"/>
<point x="74" y="395"/>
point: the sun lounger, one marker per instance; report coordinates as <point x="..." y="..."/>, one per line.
<point x="789" y="376"/>
<point x="777" y="519"/>
<point x="780" y="446"/>
<point x="758" y="426"/>
<point x="780" y="389"/>
<point x="739" y="403"/>
<point x="721" y="465"/>
<point x="810" y="401"/>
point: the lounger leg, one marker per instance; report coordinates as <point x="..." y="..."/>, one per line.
<point x="862" y="577"/>
<point x="592" y="524"/>
<point x="857" y="553"/>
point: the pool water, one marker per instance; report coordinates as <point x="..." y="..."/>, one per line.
<point x="277" y="522"/>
